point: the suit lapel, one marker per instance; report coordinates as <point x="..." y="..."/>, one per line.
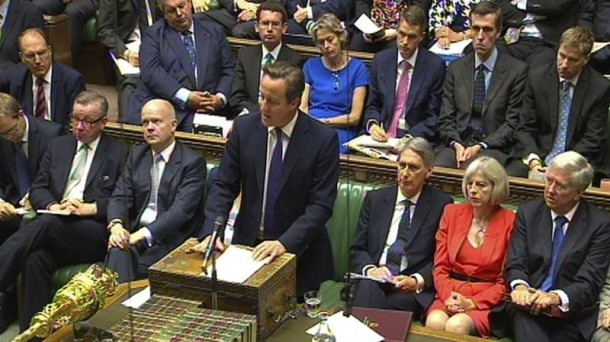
<point x="385" y="218"/>
<point x="259" y="144"/>
<point x="170" y="171"/>
<point x="99" y="159"/>
<point x="467" y="78"/>
<point x="576" y="230"/>
<point x="175" y="42"/>
<point x="389" y="81"/>
<point x="202" y="42"/>
<point x="55" y="81"/>
<point x="9" y="150"/>
<point x="28" y="94"/>
<point x="67" y="155"/>
<point x="33" y="145"/>
<point x="553" y="98"/>
<point x="417" y="78"/>
<point x="419" y="215"/>
<point x="253" y="66"/>
<point x="545" y="235"/>
<point x="463" y="224"/>
<point x="298" y="141"/>
<point x="578" y="97"/>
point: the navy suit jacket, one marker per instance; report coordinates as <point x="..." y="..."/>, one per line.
<point x="20" y="16"/>
<point x="425" y="91"/>
<point x="501" y="108"/>
<point x="588" y="114"/>
<point x="582" y="262"/>
<point x="165" y="66"/>
<point x="40" y="133"/>
<point x="179" y="200"/>
<point x="66" y="84"/>
<point x="374" y="227"/>
<point x="247" y="75"/>
<point x="55" y="166"/>
<point x="307" y="192"/>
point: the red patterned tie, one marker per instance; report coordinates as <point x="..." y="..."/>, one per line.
<point x="41" y="102"/>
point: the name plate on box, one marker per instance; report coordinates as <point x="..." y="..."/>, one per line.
<point x="270" y="293"/>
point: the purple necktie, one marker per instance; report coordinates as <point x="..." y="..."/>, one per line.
<point x="401" y="98"/>
<point x="271" y="231"/>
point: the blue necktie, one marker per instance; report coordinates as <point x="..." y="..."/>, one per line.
<point x="476" y="121"/>
<point x="397" y="250"/>
<point x="23" y="172"/>
<point x="187" y="39"/>
<point x="559" y="144"/>
<point x="271" y="231"/>
<point x="558" y="235"/>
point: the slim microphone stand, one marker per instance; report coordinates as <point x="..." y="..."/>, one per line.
<point x="214" y="283"/>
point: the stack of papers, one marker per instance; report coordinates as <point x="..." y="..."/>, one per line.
<point x="372" y="148"/>
<point x="235" y="265"/>
<point x="348" y="329"/>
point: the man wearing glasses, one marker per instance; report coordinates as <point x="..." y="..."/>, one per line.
<point x="185" y="61"/>
<point x="271" y="25"/>
<point x="74" y="183"/>
<point x="44" y="88"/>
<point x="558" y="257"/>
<point x="24" y="141"/>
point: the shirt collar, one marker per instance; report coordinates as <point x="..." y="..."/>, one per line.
<point x="288" y="128"/>
<point x="574" y="79"/>
<point x="47" y="76"/>
<point x="275" y="52"/>
<point x="167" y="152"/>
<point x="92" y="145"/>
<point x="401" y="198"/>
<point x="489" y="63"/>
<point x="26" y="132"/>
<point x="411" y="59"/>
<point x="569" y="215"/>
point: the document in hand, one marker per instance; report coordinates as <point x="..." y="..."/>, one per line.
<point x="52" y="212"/>
<point x="454" y="52"/>
<point x="235" y="265"/>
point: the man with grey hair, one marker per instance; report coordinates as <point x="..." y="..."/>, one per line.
<point x="558" y="257"/>
<point x="75" y="179"/>
<point x="396" y="235"/>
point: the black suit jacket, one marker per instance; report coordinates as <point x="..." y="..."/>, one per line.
<point x="179" y="200"/>
<point x="246" y="83"/>
<point x="374" y="227"/>
<point x="582" y="262"/>
<point x="40" y="133"/>
<point x="501" y="107"/>
<point x="559" y="16"/>
<point x="588" y="114"/>
<point x="55" y="166"/>
<point x="20" y="16"/>
<point x="307" y="192"/>
<point x="66" y="84"/>
<point x="425" y="91"/>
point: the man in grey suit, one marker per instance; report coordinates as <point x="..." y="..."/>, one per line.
<point x="482" y="96"/>
<point x="271" y="24"/>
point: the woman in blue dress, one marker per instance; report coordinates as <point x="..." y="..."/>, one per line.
<point x="335" y="84"/>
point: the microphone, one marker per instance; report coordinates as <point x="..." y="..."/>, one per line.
<point x="219" y="225"/>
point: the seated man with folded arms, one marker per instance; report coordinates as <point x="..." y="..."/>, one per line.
<point x="565" y="107"/>
<point x="482" y="96"/>
<point x="23" y="142"/>
<point x="396" y="235"/>
<point x="406" y="85"/>
<point x="558" y="257"/>
<point x="158" y="201"/>
<point x="75" y="180"/>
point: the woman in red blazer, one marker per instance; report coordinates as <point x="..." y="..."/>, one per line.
<point x="471" y="246"/>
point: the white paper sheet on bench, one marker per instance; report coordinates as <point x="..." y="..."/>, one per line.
<point x="235" y="265"/>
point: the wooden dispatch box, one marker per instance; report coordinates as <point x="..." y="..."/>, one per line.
<point x="270" y="293"/>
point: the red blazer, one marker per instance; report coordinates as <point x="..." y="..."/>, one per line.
<point x="452" y="234"/>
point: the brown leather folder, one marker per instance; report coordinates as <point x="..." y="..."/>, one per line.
<point x="393" y="325"/>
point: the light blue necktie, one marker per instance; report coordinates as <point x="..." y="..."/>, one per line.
<point x="559" y="144"/>
<point x="558" y="236"/>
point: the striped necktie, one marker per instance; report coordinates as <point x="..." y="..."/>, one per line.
<point x="41" y="99"/>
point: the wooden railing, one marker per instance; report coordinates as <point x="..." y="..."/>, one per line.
<point x="364" y="169"/>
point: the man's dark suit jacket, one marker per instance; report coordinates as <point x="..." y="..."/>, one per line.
<point x="66" y="84"/>
<point x="180" y="196"/>
<point x="374" y="227"/>
<point x="165" y="66"/>
<point x="582" y="262"/>
<point x="560" y="15"/>
<point x="588" y="114"/>
<point x="106" y="167"/>
<point x="20" y="16"/>
<point x="305" y="201"/>
<point x="425" y="90"/>
<point x="246" y="83"/>
<point x="40" y="133"/>
<point x="501" y="108"/>
<point x="117" y="20"/>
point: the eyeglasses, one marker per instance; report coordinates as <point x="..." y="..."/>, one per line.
<point x="276" y="25"/>
<point x="86" y="123"/>
<point x="480" y="186"/>
<point x="409" y="167"/>
<point x="562" y="188"/>
<point x="30" y="56"/>
<point x="10" y="130"/>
